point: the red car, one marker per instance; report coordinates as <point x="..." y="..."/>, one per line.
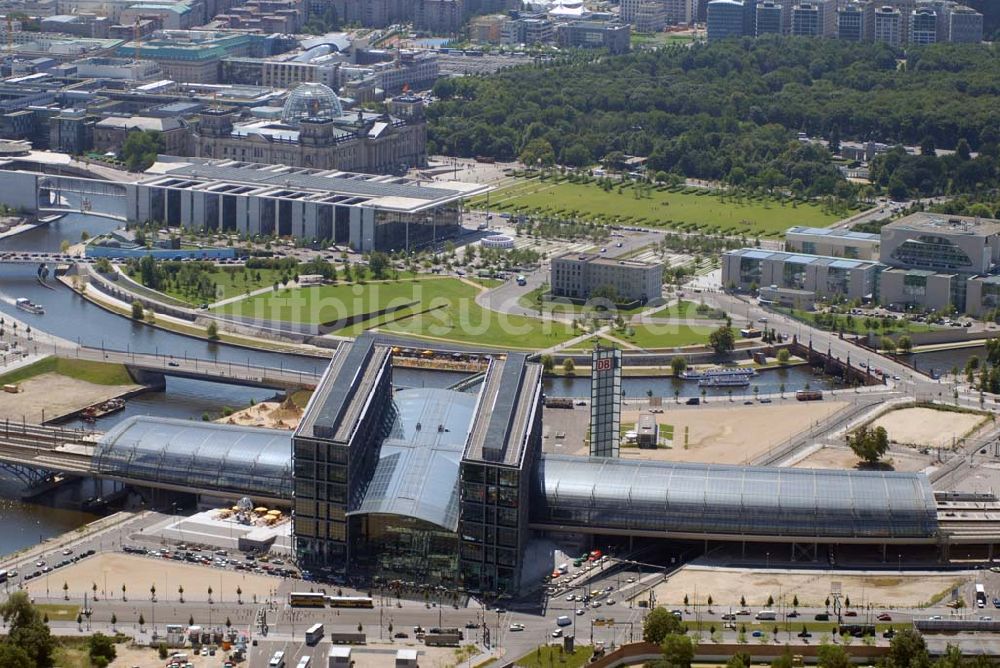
<point x="884" y="617"/>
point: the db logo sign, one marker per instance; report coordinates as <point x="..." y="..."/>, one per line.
<point x="605" y="364"/>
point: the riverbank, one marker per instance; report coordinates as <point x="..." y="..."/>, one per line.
<point x="54" y="388"/>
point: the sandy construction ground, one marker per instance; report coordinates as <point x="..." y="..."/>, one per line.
<point x="729" y="433"/>
<point x="112" y="570"/>
<point x="370" y="656"/>
<point x="841" y="457"/>
<point x="926" y="427"/>
<point x="57" y="395"/>
<point x="269" y="414"/>
<point x="727" y="585"/>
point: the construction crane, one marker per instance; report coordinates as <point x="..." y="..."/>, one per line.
<point x="137" y="37"/>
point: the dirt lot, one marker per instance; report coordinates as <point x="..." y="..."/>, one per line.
<point x="730" y="434"/>
<point x="129" y="656"/>
<point x="57" y="395"/>
<point x="139" y="573"/>
<point x="269" y="414"/>
<point x="841" y="457"/>
<point x="926" y="427"/>
<point x="727" y="585"/>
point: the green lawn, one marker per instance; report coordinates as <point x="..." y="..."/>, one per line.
<point x="553" y="656"/>
<point x="531" y="300"/>
<point x="98" y="373"/>
<point x="689" y="209"/>
<point x="685" y="310"/>
<point x="856" y="324"/>
<point x="436" y="308"/>
<point x="665" y="336"/>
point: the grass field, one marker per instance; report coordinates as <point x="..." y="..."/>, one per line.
<point x="434" y="308"/>
<point x="665" y="336"/>
<point x="685" y="310"/>
<point x="531" y="300"/>
<point x="687" y="209"/>
<point x="550" y="656"/>
<point x="98" y="373"/>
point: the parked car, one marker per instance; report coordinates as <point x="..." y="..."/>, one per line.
<point x="884" y="617"/>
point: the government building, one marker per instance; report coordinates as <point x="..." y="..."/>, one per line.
<point x="314" y="131"/>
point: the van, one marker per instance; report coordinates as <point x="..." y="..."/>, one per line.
<point x="563" y="568"/>
<point x="277" y="661"/>
<point x="766" y="616"/>
<point x="563" y="621"/>
<point x="822" y="617"/>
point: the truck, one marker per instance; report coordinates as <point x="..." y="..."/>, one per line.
<point x="809" y="395"/>
<point x="980" y="596"/>
<point x="766" y="616"/>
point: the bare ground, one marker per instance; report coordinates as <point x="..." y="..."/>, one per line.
<point x="55" y="394"/>
<point x="926" y="427"/>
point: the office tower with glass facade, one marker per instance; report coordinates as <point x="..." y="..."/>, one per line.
<point x="965" y="25"/>
<point x="500" y="455"/>
<point x="853" y="22"/>
<point x="725" y="19"/>
<point x="605" y="401"/>
<point x="888" y="25"/>
<point x="768" y="19"/>
<point x="335" y="449"/>
<point x="923" y="26"/>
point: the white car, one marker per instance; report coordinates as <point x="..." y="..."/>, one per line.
<point x="517" y="627"/>
<point x="580" y="611"/>
<point x="571" y="597"/>
<point x="557" y="633"/>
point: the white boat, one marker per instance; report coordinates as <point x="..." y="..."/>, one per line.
<point x="712" y="374"/>
<point x="736" y="380"/>
<point x="29" y="306"/>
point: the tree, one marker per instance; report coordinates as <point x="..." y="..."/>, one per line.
<point x="142" y="621"/>
<point x="722" y="340"/>
<point x="743" y="601"/>
<point x="101" y="648"/>
<point x="869" y="444"/>
<point x="239" y="595"/>
<point x="114" y="621"/>
<point x="784" y="356"/>
<point x="140" y="149"/>
<point x="547" y="363"/>
<point x="678" y="650"/>
<point x="537" y="152"/>
<point x="137" y="310"/>
<point x="907" y="650"/>
<point x="65" y="591"/>
<point x="770" y="601"/>
<point x="678" y="365"/>
<point x="660" y="623"/>
<point x="569" y="366"/>
<point x="180" y="593"/>
<point x="904" y="345"/>
<point x="12" y="656"/>
<point x="378" y="263"/>
<point x="212" y="331"/>
<point x="795" y="601"/>
<point x="27" y="630"/>
<point x="832" y="656"/>
<point x="888" y="345"/>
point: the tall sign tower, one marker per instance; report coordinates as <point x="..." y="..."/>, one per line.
<point x="605" y="401"/>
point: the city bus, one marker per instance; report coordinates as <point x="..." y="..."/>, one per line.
<point x="314" y="634"/>
<point x="350" y="602"/>
<point x="307" y="599"/>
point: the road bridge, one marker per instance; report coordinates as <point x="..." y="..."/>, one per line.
<point x="34" y="257"/>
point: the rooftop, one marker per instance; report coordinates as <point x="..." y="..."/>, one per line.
<point x="387" y="192"/>
<point x="709" y="499"/>
<point x="508" y="398"/>
<point x="597" y="258"/>
<point x="834" y="232"/>
<point x="801" y="258"/>
<point x="946" y="224"/>
<point x="417" y="473"/>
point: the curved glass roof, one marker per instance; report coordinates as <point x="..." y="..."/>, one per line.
<point x="678" y="498"/>
<point x="418" y="468"/>
<point x="199" y="456"/>
<point x="311" y="100"/>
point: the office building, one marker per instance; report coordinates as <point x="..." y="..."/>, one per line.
<point x="768" y="19"/>
<point x="888" y="25"/>
<point x="439" y="16"/>
<point x="796" y="278"/>
<point x="615" y="37"/>
<point x="814" y="19"/>
<point x="364" y="211"/>
<point x="578" y="276"/>
<point x="832" y="242"/>
<point x="855" y="21"/>
<point x="965" y="25"/>
<point x="679" y="11"/>
<point x="605" y="401"/>
<point x="188" y="55"/>
<point x="725" y="19"/>
<point x="923" y="26"/>
<point x="110" y="133"/>
<point x="71" y="131"/>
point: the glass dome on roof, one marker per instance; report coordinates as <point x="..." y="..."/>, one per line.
<point x="311" y="100"/>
